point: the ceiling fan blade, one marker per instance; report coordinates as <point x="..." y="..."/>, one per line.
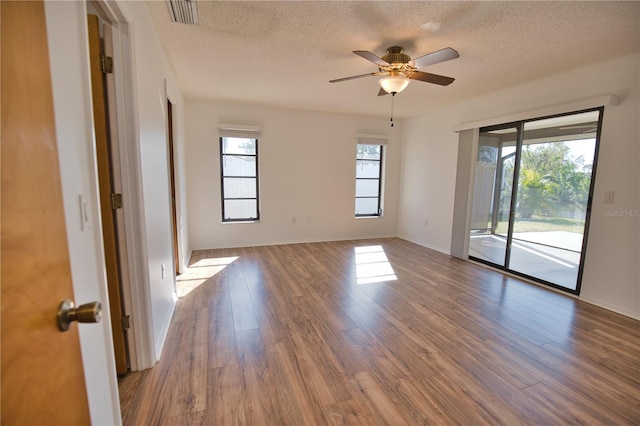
<point x="382" y="92"/>
<point x="436" y="57"/>
<point x="431" y="78"/>
<point x="371" y="57"/>
<point x="352" y="77"/>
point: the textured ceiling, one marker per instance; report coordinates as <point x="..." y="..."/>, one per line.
<point x="283" y="53"/>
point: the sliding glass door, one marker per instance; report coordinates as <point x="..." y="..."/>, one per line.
<point x="494" y="172"/>
<point x="532" y="191"/>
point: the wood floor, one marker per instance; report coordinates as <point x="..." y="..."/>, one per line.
<point x="285" y="335"/>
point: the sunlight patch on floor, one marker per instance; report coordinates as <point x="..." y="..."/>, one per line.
<point x="199" y="272"/>
<point x="372" y="265"/>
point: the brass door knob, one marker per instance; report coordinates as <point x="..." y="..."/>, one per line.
<point x="67" y="313"/>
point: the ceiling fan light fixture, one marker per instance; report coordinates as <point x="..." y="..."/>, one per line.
<point x="394" y="83"/>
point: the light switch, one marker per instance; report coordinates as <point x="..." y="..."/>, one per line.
<point x="85" y="213"/>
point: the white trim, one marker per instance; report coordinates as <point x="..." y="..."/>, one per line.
<point x="423" y="244"/>
<point x="176" y="178"/>
<point x="610" y="307"/>
<point x="164" y="331"/>
<point x="263" y="243"/>
<point x="140" y="337"/>
<point x="541" y="112"/>
<point x="141" y="293"/>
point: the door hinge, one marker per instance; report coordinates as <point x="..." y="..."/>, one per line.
<point x="107" y="64"/>
<point x="126" y="322"/>
<point x="116" y="201"/>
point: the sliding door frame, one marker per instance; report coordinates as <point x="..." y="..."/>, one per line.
<point x="592" y="185"/>
<point x="519" y="126"/>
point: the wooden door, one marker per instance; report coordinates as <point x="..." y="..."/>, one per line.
<point x="172" y="182"/>
<point x="42" y="373"/>
<point x="105" y="180"/>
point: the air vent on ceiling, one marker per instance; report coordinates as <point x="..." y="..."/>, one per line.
<point x="183" y="11"/>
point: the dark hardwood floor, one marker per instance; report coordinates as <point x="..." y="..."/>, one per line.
<point x="285" y="335"/>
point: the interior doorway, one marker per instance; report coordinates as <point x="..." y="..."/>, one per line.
<point x="532" y="196"/>
<point x="172" y="184"/>
<point x="104" y="118"/>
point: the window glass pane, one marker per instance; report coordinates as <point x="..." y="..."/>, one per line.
<point x="552" y="197"/>
<point x="491" y="207"/>
<point x="239" y="188"/>
<point x="369" y="152"/>
<point x="368" y="175"/>
<point x="236" y="165"/>
<point x="366" y="206"/>
<point x="238" y="146"/>
<point x="239" y="166"/>
<point x="367" y="187"/>
<point x="240" y="209"/>
<point x="367" y="169"/>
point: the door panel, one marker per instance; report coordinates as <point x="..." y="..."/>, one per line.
<point x="42" y="374"/>
<point x="491" y="209"/>
<point x="104" y="163"/>
<point x="172" y="181"/>
<point x="555" y="176"/>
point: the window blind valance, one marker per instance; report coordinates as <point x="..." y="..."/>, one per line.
<point x="366" y="139"/>
<point x="239" y="131"/>
<point x="542" y="112"/>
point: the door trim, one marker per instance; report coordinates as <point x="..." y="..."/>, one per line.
<point x="177" y="161"/>
<point x="108" y="168"/>
<point x="142" y="353"/>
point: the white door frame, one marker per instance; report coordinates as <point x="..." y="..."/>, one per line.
<point x="142" y="354"/>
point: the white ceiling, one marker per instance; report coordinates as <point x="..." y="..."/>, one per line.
<point x="283" y="53"/>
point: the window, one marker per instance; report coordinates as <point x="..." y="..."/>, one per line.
<point x="368" y="180"/>
<point x="239" y="178"/>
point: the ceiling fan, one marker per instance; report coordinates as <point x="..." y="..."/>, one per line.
<point x="398" y="69"/>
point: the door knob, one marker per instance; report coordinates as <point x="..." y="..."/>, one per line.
<point x="67" y="313"/>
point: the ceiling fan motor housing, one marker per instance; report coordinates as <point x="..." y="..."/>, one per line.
<point x="395" y="56"/>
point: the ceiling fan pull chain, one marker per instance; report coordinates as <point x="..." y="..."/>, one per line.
<point x="393" y="96"/>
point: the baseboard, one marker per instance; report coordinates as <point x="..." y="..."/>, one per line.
<point x="296" y="241"/>
<point x="164" y="331"/>
<point x="610" y="307"/>
<point x="420" y="243"/>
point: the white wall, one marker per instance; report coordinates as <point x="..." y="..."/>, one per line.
<point x="68" y="50"/>
<point x="154" y="81"/>
<point x="611" y="275"/>
<point x="429" y="155"/>
<point x="307" y="171"/>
